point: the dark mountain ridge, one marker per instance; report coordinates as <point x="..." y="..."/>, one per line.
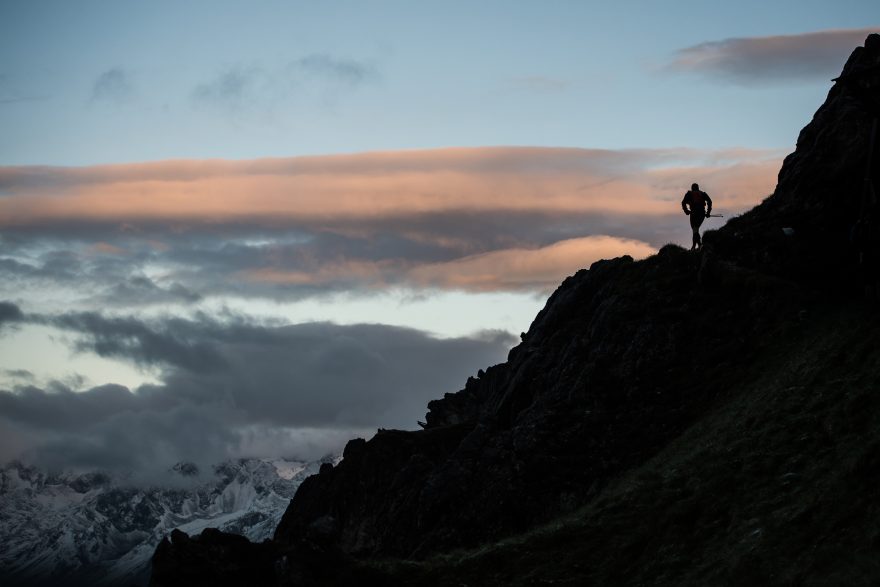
<point x="611" y="420"/>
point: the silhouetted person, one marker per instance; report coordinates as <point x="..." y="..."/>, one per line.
<point x="698" y="205"/>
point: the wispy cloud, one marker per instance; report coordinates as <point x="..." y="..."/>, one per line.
<point x="232" y="88"/>
<point x="19" y="98"/>
<point x="348" y="71"/>
<point x="238" y="87"/>
<point x="113" y="86"/>
<point x="772" y="60"/>
<point x="136" y="290"/>
<point x="10" y="94"/>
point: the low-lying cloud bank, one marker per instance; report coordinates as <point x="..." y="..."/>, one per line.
<point x="178" y="231"/>
<point x="232" y="387"/>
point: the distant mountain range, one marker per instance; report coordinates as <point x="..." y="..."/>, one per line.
<point x="99" y="529"/>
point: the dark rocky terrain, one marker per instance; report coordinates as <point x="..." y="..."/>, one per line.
<point x="695" y="418"/>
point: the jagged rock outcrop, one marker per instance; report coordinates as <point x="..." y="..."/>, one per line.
<point x="215" y="558"/>
<point x="624" y="359"/>
<point x="821" y="189"/>
<point x="223" y="559"/>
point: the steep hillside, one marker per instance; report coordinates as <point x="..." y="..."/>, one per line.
<point x="622" y="360"/>
<point x="774" y="486"/>
<point x="673" y="420"/>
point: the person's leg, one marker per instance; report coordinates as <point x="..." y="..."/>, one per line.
<point x="696" y="220"/>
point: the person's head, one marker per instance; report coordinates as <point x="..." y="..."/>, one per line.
<point x="695" y="186"/>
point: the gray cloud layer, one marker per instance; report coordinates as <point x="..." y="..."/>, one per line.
<point x="348" y="71"/>
<point x="234" y="387"/>
<point x="772" y="60"/>
<point x="9" y="313"/>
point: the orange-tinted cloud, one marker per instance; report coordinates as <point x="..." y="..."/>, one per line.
<point x="526" y="269"/>
<point x="473" y="219"/>
<point x="540" y="268"/>
<point x="376" y="185"/>
<point x="102" y="248"/>
<point x="371" y="274"/>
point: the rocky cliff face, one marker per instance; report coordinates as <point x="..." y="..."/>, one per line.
<point x="821" y="188"/>
<point x="624" y="360"/>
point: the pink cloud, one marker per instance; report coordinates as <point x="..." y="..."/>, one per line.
<point x="373" y="274"/>
<point x="476" y="219"/>
<point x="377" y="185"/>
<point x="526" y="269"/>
<point x="539" y="268"/>
<point x="103" y="248"/>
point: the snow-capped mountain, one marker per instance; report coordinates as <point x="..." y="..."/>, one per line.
<point x="99" y="530"/>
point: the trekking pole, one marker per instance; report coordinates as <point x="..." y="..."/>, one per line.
<point x="714" y="216"/>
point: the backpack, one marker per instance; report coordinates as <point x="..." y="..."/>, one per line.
<point x="697" y="200"/>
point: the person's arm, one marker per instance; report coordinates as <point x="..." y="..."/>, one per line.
<point x="684" y="202"/>
<point x="708" y="204"/>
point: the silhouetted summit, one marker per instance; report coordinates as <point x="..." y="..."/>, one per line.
<point x="689" y="419"/>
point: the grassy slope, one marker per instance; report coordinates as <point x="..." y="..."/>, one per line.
<point x="775" y="486"/>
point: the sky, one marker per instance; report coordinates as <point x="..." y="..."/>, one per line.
<point x="262" y="228"/>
